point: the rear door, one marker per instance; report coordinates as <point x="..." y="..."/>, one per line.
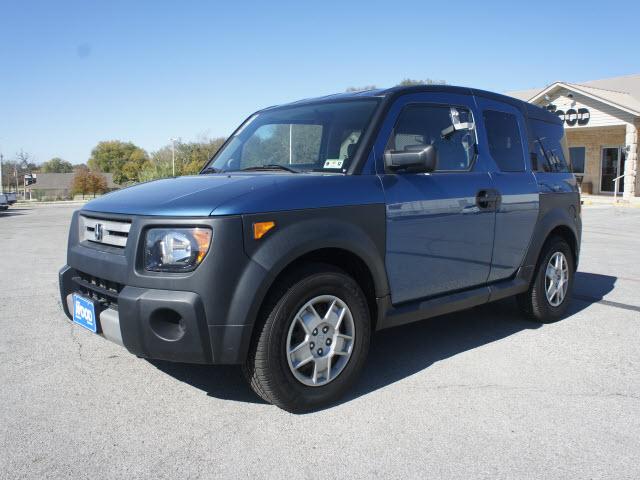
<point x="440" y="224"/>
<point x="503" y="133"/>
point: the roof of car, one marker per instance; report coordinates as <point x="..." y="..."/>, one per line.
<point x="530" y="110"/>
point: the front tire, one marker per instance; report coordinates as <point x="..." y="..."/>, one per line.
<point x="313" y="339"/>
<point x="549" y="295"/>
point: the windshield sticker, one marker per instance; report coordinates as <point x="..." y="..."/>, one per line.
<point x="333" y="163"/>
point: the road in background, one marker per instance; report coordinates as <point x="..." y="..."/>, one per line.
<point x="477" y="394"/>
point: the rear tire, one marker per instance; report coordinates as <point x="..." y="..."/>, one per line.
<point x="550" y="291"/>
<point x="304" y="357"/>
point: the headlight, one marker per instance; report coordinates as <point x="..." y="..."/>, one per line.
<point x="175" y="249"/>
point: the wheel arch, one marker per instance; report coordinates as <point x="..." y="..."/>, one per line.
<point x="343" y="259"/>
<point x="349" y="238"/>
<point x="558" y="221"/>
<point x="569" y="236"/>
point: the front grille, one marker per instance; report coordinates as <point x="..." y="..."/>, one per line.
<point x="103" y="291"/>
<point x="102" y="231"/>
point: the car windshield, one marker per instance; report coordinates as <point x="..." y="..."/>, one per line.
<point x="319" y="137"/>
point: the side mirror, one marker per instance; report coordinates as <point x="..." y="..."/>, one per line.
<point x="421" y="161"/>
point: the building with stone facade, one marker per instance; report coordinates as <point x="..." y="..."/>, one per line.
<point x="602" y="120"/>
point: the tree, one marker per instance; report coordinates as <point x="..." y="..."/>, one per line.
<point x="158" y="166"/>
<point x="361" y="89"/>
<point x="23" y="158"/>
<point x="85" y="181"/>
<point x="408" y="82"/>
<point x="123" y="159"/>
<point x="190" y="157"/>
<point x="80" y="182"/>
<point x="97" y="183"/>
<point x="194" y="155"/>
<point x="13" y="171"/>
<point x="56" y="165"/>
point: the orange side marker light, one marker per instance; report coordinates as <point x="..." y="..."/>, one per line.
<point x="260" y="229"/>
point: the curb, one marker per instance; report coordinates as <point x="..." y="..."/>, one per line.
<point x="61" y="203"/>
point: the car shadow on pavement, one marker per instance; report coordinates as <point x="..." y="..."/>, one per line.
<point x="400" y="352"/>
<point x="225" y="382"/>
<point x="589" y="288"/>
<point x="12" y="212"/>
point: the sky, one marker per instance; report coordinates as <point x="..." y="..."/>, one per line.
<point x="73" y="73"/>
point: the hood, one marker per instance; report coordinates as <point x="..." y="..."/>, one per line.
<point x="240" y="193"/>
<point x="194" y="196"/>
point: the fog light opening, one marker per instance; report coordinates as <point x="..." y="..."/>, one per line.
<point x="167" y="324"/>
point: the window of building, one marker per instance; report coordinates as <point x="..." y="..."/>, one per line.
<point x="505" y="143"/>
<point x="449" y="129"/>
<point x="577" y="156"/>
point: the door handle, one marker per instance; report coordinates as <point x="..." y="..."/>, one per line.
<point x="488" y="199"/>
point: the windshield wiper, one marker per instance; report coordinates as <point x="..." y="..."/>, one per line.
<point x="270" y="166"/>
<point x="211" y="170"/>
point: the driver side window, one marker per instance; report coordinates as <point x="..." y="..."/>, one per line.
<point x="449" y="129"/>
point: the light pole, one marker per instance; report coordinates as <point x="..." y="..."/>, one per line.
<point x="173" y="155"/>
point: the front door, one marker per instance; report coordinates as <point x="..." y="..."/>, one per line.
<point x="612" y="166"/>
<point x="440" y="225"/>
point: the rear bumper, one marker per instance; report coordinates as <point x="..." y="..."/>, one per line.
<point x="160" y="324"/>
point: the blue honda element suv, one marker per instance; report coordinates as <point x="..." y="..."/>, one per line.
<point x="324" y="220"/>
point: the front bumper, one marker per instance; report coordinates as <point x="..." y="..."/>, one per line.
<point x="205" y="316"/>
<point x="159" y="324"/>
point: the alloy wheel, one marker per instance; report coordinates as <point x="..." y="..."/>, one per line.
<point x="556" y="280"/>
<point x="320" y="340"/>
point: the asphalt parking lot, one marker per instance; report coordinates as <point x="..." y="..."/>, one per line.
<point x="477" y="394"/>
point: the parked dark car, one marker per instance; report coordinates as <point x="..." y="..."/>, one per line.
<point x="4" y="202"/>
<point x="322" y="221"/>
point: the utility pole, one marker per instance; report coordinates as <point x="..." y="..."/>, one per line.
<point x="1" y="182"/>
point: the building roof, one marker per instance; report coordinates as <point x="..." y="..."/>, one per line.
<point x="622" y="92"/>
<point x="63" y="181"/>
<point x="629" y="84"/>
<point x="524" y="94"/>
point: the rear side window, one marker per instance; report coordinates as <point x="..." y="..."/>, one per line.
<point x="551" y="140"/>
<point x="449" y="129"/>
<point x="505" y="143"/>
